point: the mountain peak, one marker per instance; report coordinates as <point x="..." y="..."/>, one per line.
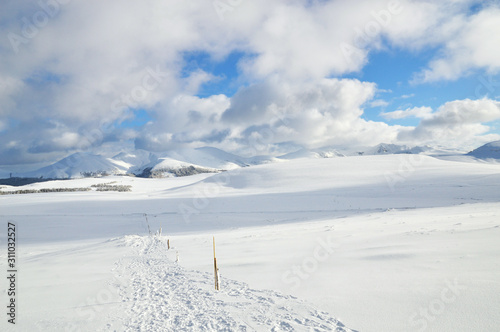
<point x="79" y="164"/>
<point x="487" y="151"/>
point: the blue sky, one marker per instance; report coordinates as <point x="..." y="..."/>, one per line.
<point x="255" y="77"/>
<point x="226" y="71"/>
<point x="392" y="71"/>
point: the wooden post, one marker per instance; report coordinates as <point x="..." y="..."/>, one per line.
<point x="168" y="244"/>
<point x="216" y="270"/>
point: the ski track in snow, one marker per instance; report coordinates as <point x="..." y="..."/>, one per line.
<point x="163" y="296"/>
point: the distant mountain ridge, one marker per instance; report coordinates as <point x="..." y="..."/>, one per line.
<point x="332" y="152"/>
<point x="143" y="163"/>
<point x="79" y="164"/>
<point x="185" y="162"/>
<point x="316" y="153"/>
<point x="396" y="149"/>
<point x="488" y="151"/>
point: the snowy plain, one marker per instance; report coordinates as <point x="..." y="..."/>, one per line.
<point x="381" y="243"/>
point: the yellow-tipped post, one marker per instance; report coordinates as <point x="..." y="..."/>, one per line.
<point x="216" y="270"/>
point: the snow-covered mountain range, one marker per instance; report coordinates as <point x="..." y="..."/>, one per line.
<point x="79" y="164"/>
<point x="208" y="160"/>
<point x="146" y="164"/>
<point x="487" y="151"/>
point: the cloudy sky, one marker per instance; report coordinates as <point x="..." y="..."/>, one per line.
<point x="246" y="76"/>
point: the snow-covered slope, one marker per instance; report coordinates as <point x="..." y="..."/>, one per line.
<point x="168" y="167"/>
<point x="137" y="159"/>
<point x="216" y="158"/>
<point x="317" y="153"/>
<point x="188" y="162"/>
<point x="209" y="157"/>
<point x="80" y="165"/>
<point x="374" y="241"/>
<point x="140" y="162"/>
<point x="380" y="149"/>
<point x="394" y="149"/>
<point x="487" y="151"/>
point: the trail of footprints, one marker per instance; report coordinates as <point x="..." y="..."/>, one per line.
<point x="162" y="296"/>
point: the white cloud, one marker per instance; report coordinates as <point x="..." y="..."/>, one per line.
<point x="315" y="114"/>
<point x="379" y="103"/>
<point x="83" y="71"/>
<point x="185" y="121"/>
<point x="423" y="24"/>
<point x="260" y="117"/>
<point x="457" y="123"/>
<point x="416" y="112"/>
<point x="474" y="44"/>
<point x="9" y="86"/>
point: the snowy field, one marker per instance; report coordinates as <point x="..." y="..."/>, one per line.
<point x="370" y="243"/>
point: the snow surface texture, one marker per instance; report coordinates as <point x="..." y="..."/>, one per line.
<point x="382" y="243"/>
<point x="164" y="296"/>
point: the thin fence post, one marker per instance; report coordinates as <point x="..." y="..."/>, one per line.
<point x="216" y="270"/>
